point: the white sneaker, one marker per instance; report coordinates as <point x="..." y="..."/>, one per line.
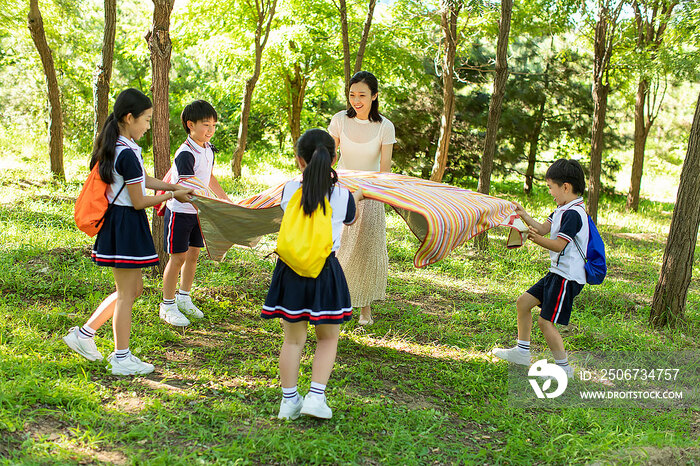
<point x="171" y="314"/>
<point x="569" y="371"/>
<point x="186" y="306"/>
<point x="316" y="406"/>
<point x="289" y="409"/>
<point x="513" y="355"/>
<point x="83" y="346"/>
<point x="130" y="365"/>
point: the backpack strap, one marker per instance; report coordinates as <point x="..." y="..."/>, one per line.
<point x="118" y="193"/>
<point x="574" y="238"/>
<point x="109" y="206"/>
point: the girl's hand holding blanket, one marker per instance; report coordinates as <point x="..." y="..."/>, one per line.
<point x="183" y="195"/>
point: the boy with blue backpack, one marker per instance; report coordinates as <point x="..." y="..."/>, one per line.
<point x="571" y="232"/>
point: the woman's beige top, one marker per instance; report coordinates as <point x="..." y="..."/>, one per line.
<point x="361" y="141"/>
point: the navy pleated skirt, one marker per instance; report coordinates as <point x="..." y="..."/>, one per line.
<point x="321" y="300"/>
<point x="125" y="240"/>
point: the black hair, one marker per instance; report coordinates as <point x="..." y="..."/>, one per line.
<point x="315" y="146"/>
<point x="567" y="171"/>
<point x="371" y="81"/>
<point x="197" y="111"/>
<point x="129" y="101"/>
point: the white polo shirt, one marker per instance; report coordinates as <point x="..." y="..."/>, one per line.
<point x="570" y="222"/>
<point x="191" y="161"/>
<point x="128" y="169"/>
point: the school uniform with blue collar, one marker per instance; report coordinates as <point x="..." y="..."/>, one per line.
<point x="321" y="300"/>
<point x="566" y="277"/>
<point x="182" y="228"/>
<point x="125" y="240"/>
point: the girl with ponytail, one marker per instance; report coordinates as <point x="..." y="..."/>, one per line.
<point x="323" y="301"/>
<point x="124" y="242"/>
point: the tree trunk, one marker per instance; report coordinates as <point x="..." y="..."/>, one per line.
<point x="535" y="136"/>
<point x="103" y="72"/>
<point x="600" y="107"/>
<point x="601" y="88"/>
<point x="650" y="27"/>
<point x="668" y="305"/>
<point x="365" y="35"/>
<point x="499" y="90"/>
<point x="159" y="44"/>
<point x="532" y="153"/>
<point x="264" y="14"/>
<point x="343" y="9"/>
<point x="640" y="140"/>
<point x="35" y="24"/>
<point x="296" y="89"/>
<point x="449" y="13"/>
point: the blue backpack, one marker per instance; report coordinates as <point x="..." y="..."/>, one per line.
<point x="595" y="255"/>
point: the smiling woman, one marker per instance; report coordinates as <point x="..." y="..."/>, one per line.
<point x="365" y="140"/>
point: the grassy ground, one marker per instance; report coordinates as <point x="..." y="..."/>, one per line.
<point x="418" y="387"/>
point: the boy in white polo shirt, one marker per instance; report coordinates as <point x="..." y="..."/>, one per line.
<point x="554" y="293"/>
<point x="183" y="236"/>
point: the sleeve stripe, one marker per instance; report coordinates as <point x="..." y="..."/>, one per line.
<point x="549" y="220"/>
<point x="564" y="236"/>
<point x="135" y="180"/>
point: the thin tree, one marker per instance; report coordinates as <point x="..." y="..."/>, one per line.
<point x="262" y="11"/>
<point x="103" y="72"/>
<point x="158" y="39"/>
<point x="449" y="14"/>
<point x="495" y="106"/>
<point x="365" y="35"/>
<point x="602" y="50"/>
<point x="295" y="83"/>
<point x="651" y="18"/>
<point x="35" y="23"/>
<point x="345" y="36"/>
<point x="668" y="305"/>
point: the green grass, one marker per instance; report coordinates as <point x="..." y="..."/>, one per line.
<point x="418" y="387"/>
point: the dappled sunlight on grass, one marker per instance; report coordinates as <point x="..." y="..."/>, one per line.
<point x="407" y="346"/>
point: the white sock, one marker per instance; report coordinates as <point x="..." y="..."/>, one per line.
<point x="317" y="389"/>
<point x="85" y="332"/>
<point x="291" y="394"/>
<point x="122" y="354"/>
<point x="523" y="346"/>
<point x="184" y="295"/>
<point x="563" y="363"/>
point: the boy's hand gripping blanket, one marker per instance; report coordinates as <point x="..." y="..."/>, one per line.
<point x="441" y="216"/>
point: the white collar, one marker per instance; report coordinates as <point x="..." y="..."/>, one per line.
<point x="194" y="146"/>
<point x="578" y="200"/>
<point x="130" y="143"/>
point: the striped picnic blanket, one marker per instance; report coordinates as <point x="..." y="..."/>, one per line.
<point x="441" y="216"/>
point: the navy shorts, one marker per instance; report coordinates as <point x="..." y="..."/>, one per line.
<point x="556" y="296"/>
<point x="181" y="232"/>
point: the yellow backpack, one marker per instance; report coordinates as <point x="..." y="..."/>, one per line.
<point x="305" y="242"/>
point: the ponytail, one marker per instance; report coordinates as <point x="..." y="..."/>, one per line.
<point x="319" y="179"/>
<point x="104" y="149"/>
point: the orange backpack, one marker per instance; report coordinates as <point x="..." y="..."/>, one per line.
<point x="92" y="204"/>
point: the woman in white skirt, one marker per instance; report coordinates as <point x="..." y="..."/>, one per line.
<point x="365" y="140"/>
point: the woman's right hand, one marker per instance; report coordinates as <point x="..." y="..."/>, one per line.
<point x="358" y="194"/>
<point x="183" y="195"/>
